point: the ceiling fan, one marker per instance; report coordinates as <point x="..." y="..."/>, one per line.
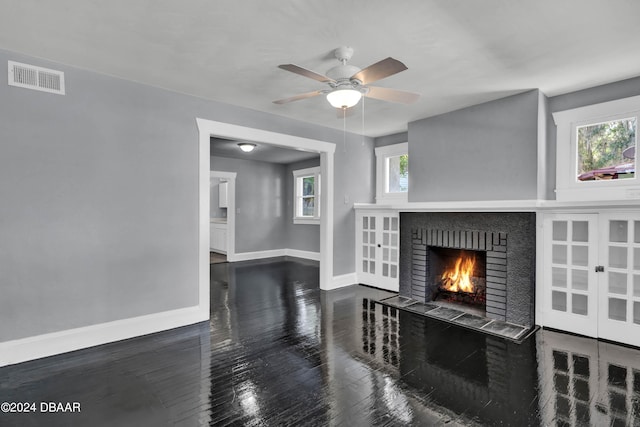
<point x="347" y="83"/>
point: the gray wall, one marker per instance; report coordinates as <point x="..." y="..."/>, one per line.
<point x="354" y="183"/>
<point x="260" y="197"/>
<point x="99" y="191"/>
<point x="275" y="229"/>
<point x="395" y="138"/>
<point x="303" y="237"/>
<point x="98" y="220"/>
<point x="547" y="131"/>
<point x="596" y="95"/>
<point x="484" y="152"/>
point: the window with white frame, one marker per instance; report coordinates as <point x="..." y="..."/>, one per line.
<point x="306" y="195"/>
<point x="392" y="173"/>
<point x="596" y="151"/>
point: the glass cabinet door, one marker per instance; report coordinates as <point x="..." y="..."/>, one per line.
<point x="369" y="242"/>
<point x="619" y="309"/>
<point x="591" y="277"/>
<point x="570" y="279"/>
<point x="378" y="249"/>
<point x="389" y="246"/>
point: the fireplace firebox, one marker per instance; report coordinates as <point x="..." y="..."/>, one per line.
<point x="459" y="276"/>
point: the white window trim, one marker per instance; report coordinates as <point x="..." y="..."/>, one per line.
<point x="315" y="172"/>
<point x="382" y="153"/>
<point x="568" y="188"/>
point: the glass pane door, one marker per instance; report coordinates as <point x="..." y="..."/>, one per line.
<point x="619" y="309"/>
<point x="378" y="249"/>
<point x="390" y="240"/>
<point x="570" y="282"/>
<point x="369" y="242"/>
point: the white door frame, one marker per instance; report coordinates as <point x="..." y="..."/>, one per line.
<point x="209" y="128"/>
<point x="231" y="208"/>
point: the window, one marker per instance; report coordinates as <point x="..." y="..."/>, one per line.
<point x="596" y="151"/>
<point x="392" y="173"/>
<point x="607" y="150"/>
<point x="306" y="195"/>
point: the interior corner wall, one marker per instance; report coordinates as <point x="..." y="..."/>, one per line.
<point x="100" y="198"/>
<point x="354" y="182"/>
<point x="484" y="152"/>
<point x="260" y="199"/>
<point x="301" y="237"/>
<point x="392" y="139"/>
<point x="595" y="95"/>
<point x="547" y="180"/>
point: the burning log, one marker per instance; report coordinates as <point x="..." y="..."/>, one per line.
<point x="476" y="297"/>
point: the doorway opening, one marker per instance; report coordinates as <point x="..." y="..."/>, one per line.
<point x="222" y="220"/>
<point x="208" y="129"/>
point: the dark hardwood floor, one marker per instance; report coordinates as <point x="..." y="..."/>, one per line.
<point x="278" y="351"/>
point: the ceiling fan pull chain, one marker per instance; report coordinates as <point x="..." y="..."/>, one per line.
<point x="344" y="129"/>
<point x="363" y="121"/>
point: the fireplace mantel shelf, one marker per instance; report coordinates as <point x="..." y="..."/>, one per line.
<point x="499" y="206"/>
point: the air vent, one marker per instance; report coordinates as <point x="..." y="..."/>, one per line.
<point x="37" y="78"/>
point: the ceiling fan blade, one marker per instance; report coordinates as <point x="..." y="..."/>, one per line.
<point x="379" y="70"/>
<point x="306" y="73"/>
<point x="298" y="97"/>
<point x="393" y="95"/>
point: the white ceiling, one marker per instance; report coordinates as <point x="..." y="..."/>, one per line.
<point x="263" y="152"/>
<point x="459" y="52"/>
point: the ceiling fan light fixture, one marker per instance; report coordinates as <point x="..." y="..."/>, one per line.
<point x="344" y="98"/>
<point x="247" y="147"/>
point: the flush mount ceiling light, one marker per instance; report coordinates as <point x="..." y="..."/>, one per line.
<point x="247" y="147"/>
<point x="344" y="98"/>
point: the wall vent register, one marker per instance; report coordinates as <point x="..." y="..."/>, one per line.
<point x="36" y="78"/>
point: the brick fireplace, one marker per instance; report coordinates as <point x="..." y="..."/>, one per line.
<point x="504" y="241"/>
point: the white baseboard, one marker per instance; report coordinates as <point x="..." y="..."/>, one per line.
<point x="247" y="256"/>
<point x="344" y="280"/>
<point x="315" y="256"/>
<point x="36" y="347"/>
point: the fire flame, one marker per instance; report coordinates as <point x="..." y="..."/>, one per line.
<point x="458" y="277"/>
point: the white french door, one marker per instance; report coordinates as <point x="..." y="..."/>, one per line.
<point x="571" y="290"/>
<point x="592" y="275"/>
<point x="377" y="249"/>
<point x="619" y="298"/>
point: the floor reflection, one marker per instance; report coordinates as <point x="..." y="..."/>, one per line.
<point x="588" y="382"/>
<point x="278" y="351"/>
<point x="479" y="378"/>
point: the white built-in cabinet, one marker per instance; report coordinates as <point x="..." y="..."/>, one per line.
<point x="591" y="268"/>
<point x="378" y="248"/>
<point x="218" y="237"/>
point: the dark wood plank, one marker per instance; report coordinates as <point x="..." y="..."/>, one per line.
<point x="278" y="351"/>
